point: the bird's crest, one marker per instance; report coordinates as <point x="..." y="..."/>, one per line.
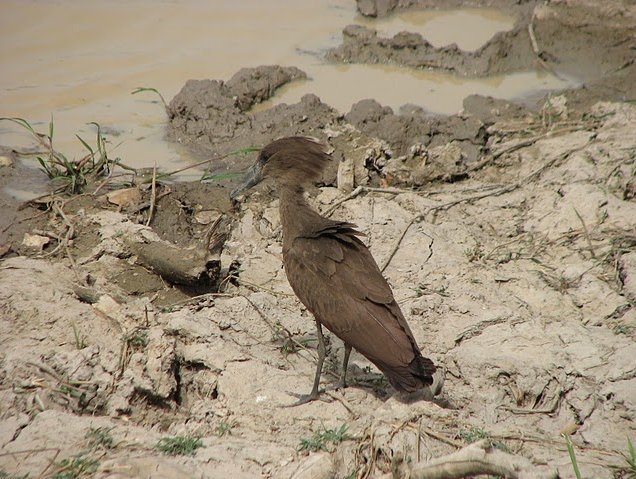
<point x="294" y="160"/>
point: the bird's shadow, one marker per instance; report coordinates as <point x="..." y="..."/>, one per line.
<point x="376" y="384"/>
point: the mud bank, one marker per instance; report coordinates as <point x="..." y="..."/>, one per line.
<point x="588" y="41"/>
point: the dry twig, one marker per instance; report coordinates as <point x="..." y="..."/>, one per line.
<point x="153" y="194"/>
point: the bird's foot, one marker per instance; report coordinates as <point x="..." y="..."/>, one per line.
<point x="304" y="398"/>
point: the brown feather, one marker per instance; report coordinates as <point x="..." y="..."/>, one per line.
<point x="352" y="299"/>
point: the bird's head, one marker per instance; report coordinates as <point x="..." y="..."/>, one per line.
<point x="294" y="160"/>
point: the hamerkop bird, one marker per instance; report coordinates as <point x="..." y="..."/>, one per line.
<point x="333" y="273"/>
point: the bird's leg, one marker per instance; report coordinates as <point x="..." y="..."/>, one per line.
<point x="322" y="352"/>
<point x="345" y="363"/>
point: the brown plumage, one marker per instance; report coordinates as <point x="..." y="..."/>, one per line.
<point x="333" y="273"/>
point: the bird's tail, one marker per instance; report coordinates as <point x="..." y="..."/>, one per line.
<point x="417" y="375"/>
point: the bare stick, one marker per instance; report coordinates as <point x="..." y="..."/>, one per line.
<point x="359" y="189"/>
<point x="70" y="232"/>
<point x="287" y="332"/>
<point x="153" y="195"/>
<point x="533" y="39"/>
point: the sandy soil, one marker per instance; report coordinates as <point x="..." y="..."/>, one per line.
<point x="507" y="234"/>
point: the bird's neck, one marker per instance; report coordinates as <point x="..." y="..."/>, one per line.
<point x="296" y="216"/>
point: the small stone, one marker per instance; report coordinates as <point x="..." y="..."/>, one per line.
<point x="35" y="242"/>
<point x="206" y="217"/>
<point x="6" y="161"/>
<point x="124" y="198"/>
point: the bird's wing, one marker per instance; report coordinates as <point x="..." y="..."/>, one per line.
<point x="334" y="275"/>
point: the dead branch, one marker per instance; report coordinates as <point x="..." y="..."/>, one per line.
<point x="196" y="268"/>
<point x="187" y="267"/>
<point x="475" y="459"/>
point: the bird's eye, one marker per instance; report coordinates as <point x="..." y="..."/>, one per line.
<point x="264" y="157"/>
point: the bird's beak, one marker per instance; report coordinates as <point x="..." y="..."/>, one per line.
<point x="253" y="177"/>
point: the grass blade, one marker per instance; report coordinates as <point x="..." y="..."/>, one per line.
<point x="248" y="149"/>
<point x="86" y="145"/>
<point x="207" y="176"/>
<point x="22" y="122"/>
<point x="575" y="464"/>
<point x="142" y="89"/>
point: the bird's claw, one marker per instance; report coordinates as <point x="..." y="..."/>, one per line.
<point x="304" y="398"/>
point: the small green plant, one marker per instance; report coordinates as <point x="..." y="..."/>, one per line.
<point x="80" y="339"/>
<point x="621" y="329"/>
<point x="179" y="445"/>
<point x="73" y="174"/>
<point x="225" y="428"/>
<point x="100" y="438"/>
<point x="575" y="464"/>
<point x="473" y="434"/>
<point x="137" y="339"/>
<point x="290" y="345"/>
<point x="475" y="253"/>
<point x="209" y="176"/>
<point x="5" y="475"/>
<point x="630" y="459"/>
<point x="320" y="439"/>
<point x="75" y="467"/>
<point x="423" y="289"/>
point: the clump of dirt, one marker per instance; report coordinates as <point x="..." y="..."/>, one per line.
<point x="506" y="234"/>
<point x="414" y="127"/>
<point x="211" y="116"/>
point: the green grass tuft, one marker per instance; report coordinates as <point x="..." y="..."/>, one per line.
<point x="179" y="445"/>
<point x="321" y="439"/>
<point x="5" y="475"/>
<point x="224" y="428"/>
<point x="100" y="438"/>
<point x="75" y="467"/>
<point x="72" y="174"/>
<point x="137" y="340"/>
<point x="630" y="460"/>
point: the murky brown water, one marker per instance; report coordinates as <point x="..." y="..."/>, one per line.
<point x="79" y="61"/>
<point x="468" y="28"/>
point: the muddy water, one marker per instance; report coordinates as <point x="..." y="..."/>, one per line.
<point x="468" y="28"/>
<point x="79" y="61"/>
